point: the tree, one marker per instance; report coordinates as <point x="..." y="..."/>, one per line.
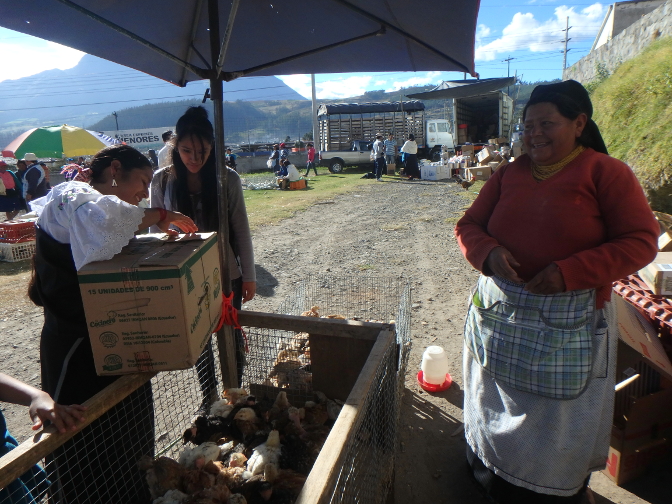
<point x="308" y="136"/>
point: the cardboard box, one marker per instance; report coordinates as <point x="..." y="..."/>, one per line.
<point x="485" y="154"/>
<point x="429" y="172"/>
<point x="502" y="140"/>
<point x="642" y="431"/>
<point x="391" y="169"/>
<point x="479" y="172"/>
<point x="665" y="242"/>
<point x="467" y="150"/>
<point x="154" y="305"/>
<point x="517" y="149"/>
<point x="658" y="274"/>
<point x="635" y="330"/>
<point x="492" y="141"/>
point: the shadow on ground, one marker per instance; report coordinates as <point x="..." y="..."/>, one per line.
<point x="266" y="282"/>
<point x="432" y="452"/>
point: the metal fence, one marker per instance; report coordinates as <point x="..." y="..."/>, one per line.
<point x="365" y="474"/>
<point x="99" y="463"/>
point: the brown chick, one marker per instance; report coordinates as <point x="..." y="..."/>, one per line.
<point x="218" y="494"/>
<point x="280" y="406"/>
<point x="312" y="312"/>
<point x="162" y="474"/>
<point x="247" y="421"/>
<point x="232" y="477"/>
<point x="315" y="413"/>
<point x="196" y="480"/>
<point x="288" y="482"/>
<point x="235" y="395"/>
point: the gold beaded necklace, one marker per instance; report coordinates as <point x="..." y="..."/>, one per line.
<point x="541" y="173"/>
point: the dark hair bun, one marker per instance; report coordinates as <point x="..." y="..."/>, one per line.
<point x="195" y="122"/>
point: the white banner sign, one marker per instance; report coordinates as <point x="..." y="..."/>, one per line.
<point x="149" y="138"/>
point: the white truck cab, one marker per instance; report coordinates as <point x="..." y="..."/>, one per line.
<point x="438" y="134"/>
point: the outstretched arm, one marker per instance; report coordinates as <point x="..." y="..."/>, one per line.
<point x="41" y="406"/>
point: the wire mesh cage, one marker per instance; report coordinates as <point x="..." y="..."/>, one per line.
<point x="100" y="462"/>
<point x="147" y="415"/>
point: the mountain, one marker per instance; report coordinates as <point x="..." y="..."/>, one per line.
<point x="86" y="93"/>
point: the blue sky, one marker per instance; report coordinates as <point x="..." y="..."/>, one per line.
<point x="530" y="32"/>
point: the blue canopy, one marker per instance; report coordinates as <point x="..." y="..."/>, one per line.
<point x="170" y="39"/>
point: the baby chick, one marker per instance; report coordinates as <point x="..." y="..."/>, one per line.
<point x="200" y="455"/>
<point x="269" y="452"/>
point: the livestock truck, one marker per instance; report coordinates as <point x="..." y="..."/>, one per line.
<point x="347" y="130"/>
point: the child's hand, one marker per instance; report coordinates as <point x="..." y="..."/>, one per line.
<point x="43" y="409"/>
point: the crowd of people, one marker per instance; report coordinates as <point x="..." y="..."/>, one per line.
<point x="549" y="233"/>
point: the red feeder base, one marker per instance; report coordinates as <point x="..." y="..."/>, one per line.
<point x="430" y="387"/>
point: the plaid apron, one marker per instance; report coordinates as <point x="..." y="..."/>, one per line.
<point x="540" y="344"/>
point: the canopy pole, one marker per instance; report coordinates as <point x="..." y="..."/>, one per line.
<point x="225" y="336"/>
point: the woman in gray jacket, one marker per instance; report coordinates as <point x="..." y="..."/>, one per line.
<point x="189" y="186"/>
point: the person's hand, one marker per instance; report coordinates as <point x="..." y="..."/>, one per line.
<point x="249" y="290"/>
<point x="183" y="222"/>
<point x="547" y="281"/>
<point x="501" y="263"/>
<point x="28" y="198"/>
<point x="43" y="408"/>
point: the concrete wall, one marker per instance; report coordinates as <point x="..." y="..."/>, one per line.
<point x="627" y="13"/>
<point x="624" y="46"/>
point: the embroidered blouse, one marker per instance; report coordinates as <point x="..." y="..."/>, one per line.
<point x="96" y="226"/>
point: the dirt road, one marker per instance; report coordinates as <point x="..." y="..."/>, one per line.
<point x="384" y="229"/>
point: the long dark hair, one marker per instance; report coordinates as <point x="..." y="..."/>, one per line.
<point x="195" y="124"/>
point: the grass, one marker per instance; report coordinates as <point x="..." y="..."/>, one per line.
<point x="633" y="108"/>
<point x="473" y="191"/>
<point x="271" y="206"/>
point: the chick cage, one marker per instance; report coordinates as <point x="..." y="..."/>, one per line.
<point x="346" y="337"/>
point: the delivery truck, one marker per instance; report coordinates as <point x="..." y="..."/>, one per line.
<point x="476" y="119"/>
<point x="346" y="128"/>
<point x="480" y="109"/>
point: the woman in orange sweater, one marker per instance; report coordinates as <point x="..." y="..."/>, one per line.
<point x="550" y="232"/>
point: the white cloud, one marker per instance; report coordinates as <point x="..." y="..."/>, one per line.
<point x="331" y="89"/>
<point x="299" y="83"/>
<point x="343" y="88"/>
<point x="416" y="80"/>
<point x="25" y="59"/>
<point x="525" y="32"/>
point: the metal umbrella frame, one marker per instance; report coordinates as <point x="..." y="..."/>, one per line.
<point x="419" y="34"/>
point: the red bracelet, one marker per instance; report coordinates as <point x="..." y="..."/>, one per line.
<point x="162" y="214"/>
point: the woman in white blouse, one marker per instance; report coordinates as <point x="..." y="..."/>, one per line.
<point x="80" y="223"/>
<point x="410" y="148"/>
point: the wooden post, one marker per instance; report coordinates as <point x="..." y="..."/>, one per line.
<point x="322" y="477"/>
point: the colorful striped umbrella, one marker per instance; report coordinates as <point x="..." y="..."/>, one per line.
<point x="57" y="142"/>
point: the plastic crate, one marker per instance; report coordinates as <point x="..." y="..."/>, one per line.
<point x="17" y="231"/>
<point x="13" y="252"/>
<point x="657" y="309"/>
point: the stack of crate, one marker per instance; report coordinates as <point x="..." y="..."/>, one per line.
<point x="17" y="240"/>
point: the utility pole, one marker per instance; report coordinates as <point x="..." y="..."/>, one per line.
<point x="316" y="133"/>
<point x="566" y="30"/>
<point x="508" y="70"/>
<point x="116" y="120"/>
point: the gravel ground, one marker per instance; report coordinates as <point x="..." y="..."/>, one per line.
<point x="382" y="229"/>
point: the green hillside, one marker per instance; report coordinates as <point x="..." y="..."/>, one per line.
<point x="633" y="108"/>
